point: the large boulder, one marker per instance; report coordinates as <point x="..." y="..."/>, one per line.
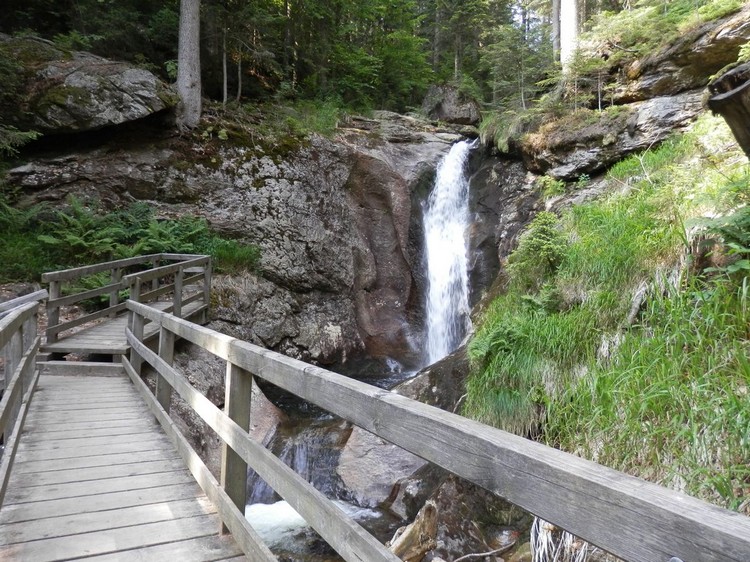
<point x="590" y="141"/>
<point x="59" y="91"/>
<point x="446" y="103"/>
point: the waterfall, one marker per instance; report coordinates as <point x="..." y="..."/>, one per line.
<point x="446" y="218"/>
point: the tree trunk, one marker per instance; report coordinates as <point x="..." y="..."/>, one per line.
<point x="568" y="31"/>
<point x="189" y="65"/>
<point x="556" y="29"/>
<point x="225" y="92"/>
<point x="239" y="74"/>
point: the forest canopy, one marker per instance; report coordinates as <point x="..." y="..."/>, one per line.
<point x="358" y="53"/>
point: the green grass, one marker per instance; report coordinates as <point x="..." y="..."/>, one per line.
<point x="651" y="24"/>
<point x="665" y="397"/>
<point x="673" y="404"/>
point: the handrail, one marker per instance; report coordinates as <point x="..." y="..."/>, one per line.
<point x="19" y="343"/>
<point x="629" y="517"/>
<point x="78" y="272"/>
<point x="121" y="279"/>
<point x="36" y="296"/>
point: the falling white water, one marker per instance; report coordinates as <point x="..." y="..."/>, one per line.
<point x="446" y="219"/>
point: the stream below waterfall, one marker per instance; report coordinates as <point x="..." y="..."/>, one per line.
<point x="312" y="440"/>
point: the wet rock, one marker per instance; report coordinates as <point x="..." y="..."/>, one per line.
<point x="66" y="92"/>
<point x="473" y="520"/>
<point x="502" y="202"/>
<point x="445" y="103"/>
<point x="369" y="467"/>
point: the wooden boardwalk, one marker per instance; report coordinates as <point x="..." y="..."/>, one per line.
<point x="108" y="336"/>
<point x="95" y="477"/>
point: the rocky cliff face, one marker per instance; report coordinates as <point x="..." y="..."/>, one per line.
<point x="652" y="97"/>
<point x="333" y="218"/>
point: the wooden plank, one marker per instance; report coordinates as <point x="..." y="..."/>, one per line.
<point x="138" y="428"/>
<point x="231" y="517"/>
<point x="82" y="367"/>
<point x="57" y="465"/>
<point x="79" y="443"/>
<point x="153" y="443"/>
<point x="654" y="523"/>
<point x="203" y="549"/>
<point x="86" y="413"/>
<point x="121" y="414"/>
<point x="80" y="523"/>
<point x="115" y="500"/>
<point x="97" y="487"/>
<point x="111" y="540"/>
<point x="350" y="540"/>
<point x="65" y="426"/>
<point x="137" y="467"/>
<point x="104" y="398"/>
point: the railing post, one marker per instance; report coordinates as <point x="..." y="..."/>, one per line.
<point x="135" y="321"/>
<point x="177" y="306"/>
<point x="53" y="311"/>
<point x="166" y="352"/>
<point x="114" y="296"/>
<point x="155" y="281"/>
<point x="207" y="283"/>
<point x="239" y="386"/>
<point x="13" y="354"/>
<point x="30" y="330"/>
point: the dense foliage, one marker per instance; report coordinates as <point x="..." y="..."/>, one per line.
<point x="375" y="53"/>
<point x="607" y="345"/>
<point x="40" y="239"/>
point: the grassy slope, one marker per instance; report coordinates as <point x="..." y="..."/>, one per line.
<point x="664" y="396"/>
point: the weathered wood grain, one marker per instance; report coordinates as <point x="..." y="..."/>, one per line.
<point x="203" y="549"/>
<point x="110" y="540"/>
<point x="84" y="490"/>
<point x="54" y="508"/>
<point x="234" y="519"/>
<point x="338" y="529"/>
<point x="78" y="272"/>
<point x="79" y="523"/>
<point x="36" y="296"/>
<point x="653" y="523"/>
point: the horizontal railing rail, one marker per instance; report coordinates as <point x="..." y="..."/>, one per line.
<point x="149" y="281"/>
<point x="19" y="342"/>
<point x="629" y="517"/>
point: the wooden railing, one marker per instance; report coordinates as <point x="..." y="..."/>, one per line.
<point x="19" y="343"/>
<point x="132" y="275"/>
<point x="629" y="517"/>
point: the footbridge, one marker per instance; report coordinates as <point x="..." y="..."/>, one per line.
<point x="93" y="466"/>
